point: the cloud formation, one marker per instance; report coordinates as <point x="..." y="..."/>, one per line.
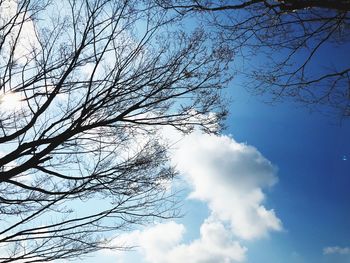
<point x="23" y="29"/>
<point x="230" y="178"/>
<point x="336" y="250"/>
<point x="163" y="243"/>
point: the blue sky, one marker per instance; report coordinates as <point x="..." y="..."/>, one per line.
<point x="305" y="189"/>
<point x="310" y="196"/>
<point x="274" y="187"/>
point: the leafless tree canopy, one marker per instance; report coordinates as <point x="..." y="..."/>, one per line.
<point x="85" y="87"/>
<point x="290" y="48"/>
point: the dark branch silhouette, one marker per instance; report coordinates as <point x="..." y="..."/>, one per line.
<point x="86" y="86"/>
<point x="284" y="46"/>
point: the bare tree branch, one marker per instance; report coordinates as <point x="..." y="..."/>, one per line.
<point x="86" y="87"/>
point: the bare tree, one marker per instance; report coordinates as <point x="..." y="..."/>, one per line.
<point x="86" y="85"/>
<point x="290" y="48"/>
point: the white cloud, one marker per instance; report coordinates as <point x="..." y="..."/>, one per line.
<point x="7" y="10"/>
<point x="230" y="177"/>
<point x="336" y="250"/>
<point x="162" y="243"/>
<point x="215" y="244"/>
<point x="23" y="28"/>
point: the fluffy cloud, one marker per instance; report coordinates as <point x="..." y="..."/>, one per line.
<point x="336" y="250"/>
<point x="230" y="178"/>
<point x="162" y="243"/>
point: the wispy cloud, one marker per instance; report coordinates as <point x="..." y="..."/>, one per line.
<point x="336" y="250"/>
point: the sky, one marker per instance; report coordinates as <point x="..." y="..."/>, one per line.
<point x="273" y="187"/>
<point x="311" y="196"/>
